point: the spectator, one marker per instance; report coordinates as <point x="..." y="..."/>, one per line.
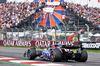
<point x="90" y="14"/>
<point x="11" y="13"/>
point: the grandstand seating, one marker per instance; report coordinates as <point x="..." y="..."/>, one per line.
<point x="77" y="19"/>
<point x="27" y="10"/>
<point x="13" y="14"/>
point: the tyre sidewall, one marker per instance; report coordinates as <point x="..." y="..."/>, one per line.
<point x="32" y="54"/>
<point x="57" y="55"/>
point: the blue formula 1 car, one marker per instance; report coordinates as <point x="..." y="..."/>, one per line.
<point x="58" y="53"/>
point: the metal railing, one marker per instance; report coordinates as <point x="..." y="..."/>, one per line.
<point x="49" y="35"/>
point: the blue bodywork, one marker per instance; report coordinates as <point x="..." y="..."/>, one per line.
<point x="46" y="53"/>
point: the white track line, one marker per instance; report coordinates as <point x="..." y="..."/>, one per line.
<point x="6" y="58"/>
<point x="19" y="61"/>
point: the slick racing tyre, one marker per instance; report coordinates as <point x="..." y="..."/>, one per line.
<point x="31" y="53"/>
<point x="55" y="55"/>
<point x="83" y="57"/>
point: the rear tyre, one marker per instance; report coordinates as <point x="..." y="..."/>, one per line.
<point x="84" y="56"/>
<point x="31" y="53"/>
<point x="55" y="55"/>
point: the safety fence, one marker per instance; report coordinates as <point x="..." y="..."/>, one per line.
<point x="30" y="34"/>
<point x="39" y="38"/>
<point x="49" y="34"/>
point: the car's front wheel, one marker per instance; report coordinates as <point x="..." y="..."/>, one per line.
<point x="31" y="53"/>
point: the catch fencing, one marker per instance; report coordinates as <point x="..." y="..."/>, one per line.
<point x="43" y="38"/>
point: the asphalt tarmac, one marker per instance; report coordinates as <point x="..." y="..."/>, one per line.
<point x="93" y="58"/>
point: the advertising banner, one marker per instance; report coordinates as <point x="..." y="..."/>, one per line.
<point x="91" y="45"/>
<point x="33" y="43"/>
<point x="48" y="9"/>
<point x="52" y="3"/>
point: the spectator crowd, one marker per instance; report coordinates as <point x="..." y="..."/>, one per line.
<point x="90" y="14"/>
<point x="11" y="13"/>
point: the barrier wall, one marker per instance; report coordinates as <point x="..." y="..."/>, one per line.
<point x="33" y="43"/>
<point x="89" y="45"/>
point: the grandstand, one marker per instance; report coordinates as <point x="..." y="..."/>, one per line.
<point x="81" y="15"/>
<point x="21" y="14"/>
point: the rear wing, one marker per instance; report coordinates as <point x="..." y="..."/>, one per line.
<point x="71" y="47"/>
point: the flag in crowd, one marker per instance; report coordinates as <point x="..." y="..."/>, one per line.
<point x="99" y="1"/>
<point x="44" y="16"/>
<point x="63" y="16"/>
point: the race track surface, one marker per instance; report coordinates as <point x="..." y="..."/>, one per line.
<point x="93" y="58"/>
